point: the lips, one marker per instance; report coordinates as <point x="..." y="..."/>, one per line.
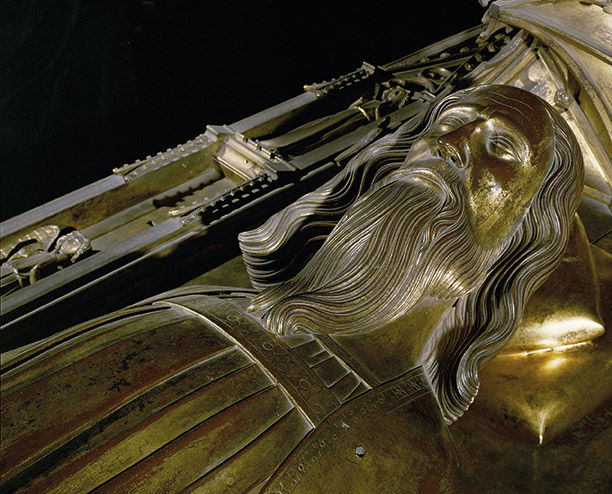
<point x="434" y="173"/>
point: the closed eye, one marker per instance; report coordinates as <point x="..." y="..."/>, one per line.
<point x="505" y="147"/>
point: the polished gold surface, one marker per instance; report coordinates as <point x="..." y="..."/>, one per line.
<point x="560" y="367"/>
<point x="577" y="461"/>
<point x="562" y="56"/>
<point x="504" y="146"/>
<point x="552" y="322"/>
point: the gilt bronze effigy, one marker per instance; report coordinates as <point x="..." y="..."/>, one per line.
<point x="390" y="319"/>
<point x="428" y="314"/>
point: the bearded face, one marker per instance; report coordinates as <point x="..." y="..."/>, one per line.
<point x="431" y="229"/>
<point x="477" y="212"/>
<point x="407" y="238"/>
<point x="500" y="143"/>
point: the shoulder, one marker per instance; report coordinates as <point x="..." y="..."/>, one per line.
<point x="158" y="394"/>
<point x="389" y="439"/>
<point x="186" y="392"/>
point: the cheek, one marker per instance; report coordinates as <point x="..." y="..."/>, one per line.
<point x="505" y="173"/>
<point x="494" y="175"/>
<point x="496" y="196"/>
<point x="528" y="181"/>
<point x="490" y="171"/>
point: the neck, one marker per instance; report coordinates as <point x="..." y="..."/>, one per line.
<point x="395" y="348"/>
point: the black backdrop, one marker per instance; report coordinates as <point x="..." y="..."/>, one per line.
<point x="89" y="85"/>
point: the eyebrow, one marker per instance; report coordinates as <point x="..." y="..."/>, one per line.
<point x="458" y="113"/>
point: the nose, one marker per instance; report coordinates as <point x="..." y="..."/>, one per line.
<point x="454" y="146"/>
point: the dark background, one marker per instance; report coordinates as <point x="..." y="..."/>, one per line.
<point x="86" y="86"/>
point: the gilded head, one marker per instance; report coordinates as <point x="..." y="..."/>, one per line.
<point x="499" y="141"/>
<point x="475" y="208"/>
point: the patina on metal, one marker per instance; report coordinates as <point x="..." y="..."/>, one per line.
<point x="193" y="391"/>
<point x="181" y="210"/>
<point x="455" y="232"/>
<point x="339" y="377"/>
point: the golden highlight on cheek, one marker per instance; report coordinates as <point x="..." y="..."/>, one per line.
<point x="488" y="206"/>
<point x="487" y="185"/>
<point x="497" y="195"/>
<point x="502" y="159"/>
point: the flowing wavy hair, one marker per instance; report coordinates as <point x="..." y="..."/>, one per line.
<point x="484" y="319"/>
<point x="277" y="250"/>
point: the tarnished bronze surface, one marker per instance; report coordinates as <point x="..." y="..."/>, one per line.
<point x="444" y="264"/>
<point x="189" y="393"/>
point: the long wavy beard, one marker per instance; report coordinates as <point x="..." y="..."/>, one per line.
<point x="406" y="238"/>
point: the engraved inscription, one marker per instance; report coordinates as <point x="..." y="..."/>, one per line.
<point x="379" y="400"/>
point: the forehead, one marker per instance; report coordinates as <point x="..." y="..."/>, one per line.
<point x="518" y="109"/>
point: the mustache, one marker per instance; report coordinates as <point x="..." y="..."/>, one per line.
<point x="432" y="172"/>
